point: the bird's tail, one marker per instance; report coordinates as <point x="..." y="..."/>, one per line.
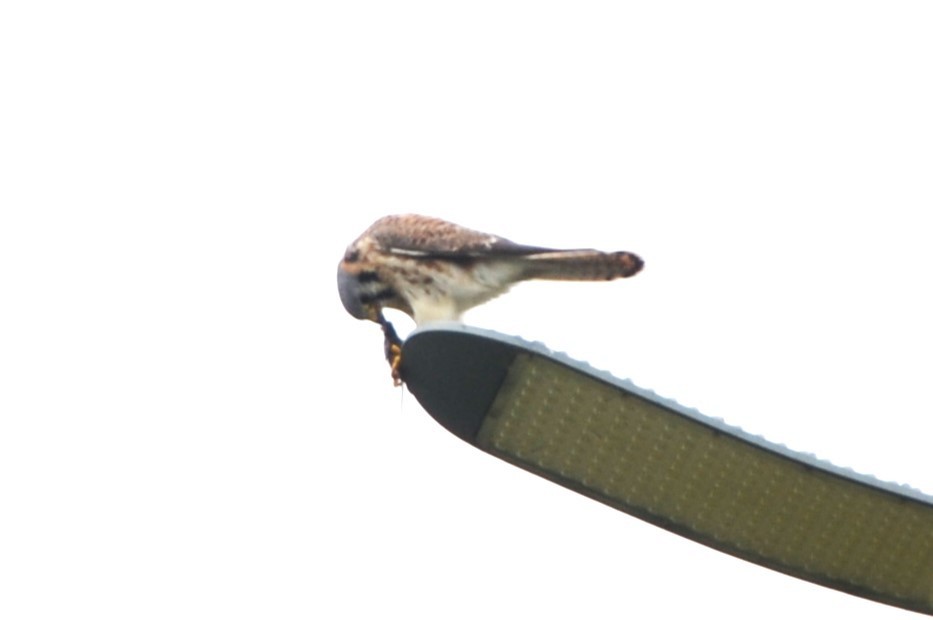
<point x="581" y="265"/>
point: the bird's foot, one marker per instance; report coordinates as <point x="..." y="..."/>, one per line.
<point x="393" y="349"/>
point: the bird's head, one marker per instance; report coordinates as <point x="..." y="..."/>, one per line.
<point x="363" y="292"/>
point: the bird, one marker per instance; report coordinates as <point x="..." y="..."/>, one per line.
<point x="435" y="270"/>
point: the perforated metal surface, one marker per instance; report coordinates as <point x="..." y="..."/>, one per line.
<point x="709" y="485"/>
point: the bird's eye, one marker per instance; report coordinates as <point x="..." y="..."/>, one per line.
<point x="352" y="255"/>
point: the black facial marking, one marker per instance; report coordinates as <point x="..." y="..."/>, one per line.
<point x="367" y="276"/>
<point x="383" y="295"/>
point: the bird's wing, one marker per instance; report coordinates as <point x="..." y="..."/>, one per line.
<point x="427" y="237"/>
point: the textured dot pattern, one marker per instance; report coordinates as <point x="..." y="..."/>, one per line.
<point x="712" y="486"/>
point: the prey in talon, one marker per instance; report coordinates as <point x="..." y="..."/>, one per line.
<point x="434" y="270"/>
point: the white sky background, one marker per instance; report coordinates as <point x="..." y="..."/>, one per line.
<point x="190" y="424"/>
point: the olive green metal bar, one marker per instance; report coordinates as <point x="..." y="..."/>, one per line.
<point x="674" y="467"/>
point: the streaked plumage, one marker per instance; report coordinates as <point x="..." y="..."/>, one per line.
<point x="434" y="270"/>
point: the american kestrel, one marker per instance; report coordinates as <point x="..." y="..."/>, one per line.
<point x="434" y="270"/>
